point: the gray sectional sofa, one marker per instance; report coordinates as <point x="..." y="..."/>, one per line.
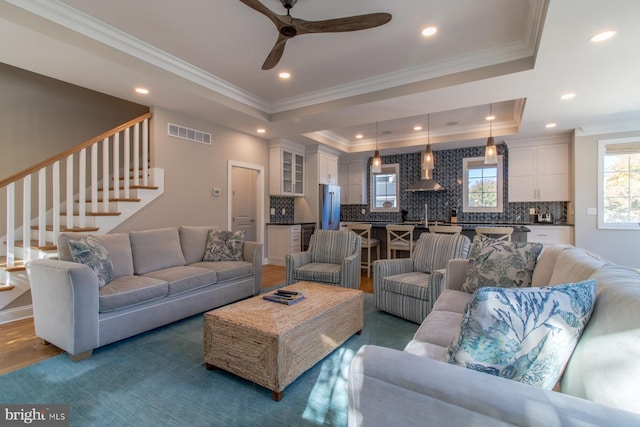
<point x="159" y="276"/>
<point x="600" y="385"/>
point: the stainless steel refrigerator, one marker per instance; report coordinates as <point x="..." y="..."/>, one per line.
<point x="329" y="207"/>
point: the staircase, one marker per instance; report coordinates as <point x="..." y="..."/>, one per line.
<point x="90" y="188"/>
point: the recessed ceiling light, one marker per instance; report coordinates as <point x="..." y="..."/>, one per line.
<point x="142" y="90"/>
<point x="490" y="118"/>
<point x="451" y="123"/>
<point x="429" y="31"/>
<point x="551" y="125"/>
<point x="359" y="136"/>
<point x="568" y="95"/>
<point x="260" y="130"/>
<point x="605" y="35"/>
<point x="416" y="128"/>
<point x="284" y="75"/>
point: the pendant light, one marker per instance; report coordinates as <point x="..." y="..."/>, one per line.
<point x="490" y="151"/>
<point x="427" y="159"/>
<point x="376" y="163"/>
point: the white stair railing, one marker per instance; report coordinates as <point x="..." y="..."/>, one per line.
<point x="65" y="177"/>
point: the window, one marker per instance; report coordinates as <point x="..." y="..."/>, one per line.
<point x="385" y="189"/>
<point x="619" y="183"/>
<point x="482" y="189"/>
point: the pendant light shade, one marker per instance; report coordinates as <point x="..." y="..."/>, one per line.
<point x="490" y="151"/>
<point x="376" y="163"/>
<point x="427" y="158"/>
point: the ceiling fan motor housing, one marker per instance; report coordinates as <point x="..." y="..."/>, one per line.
<point x="288" y="4"/>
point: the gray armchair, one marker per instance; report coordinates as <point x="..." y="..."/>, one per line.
<point x="408" y="287"/>
<point x="333" y="258"/>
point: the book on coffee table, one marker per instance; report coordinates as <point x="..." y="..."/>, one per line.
<point x="287" y="298"/>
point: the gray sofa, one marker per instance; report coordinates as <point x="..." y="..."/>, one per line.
<point x="600" y="385"/>
<point x="159" y="276"/>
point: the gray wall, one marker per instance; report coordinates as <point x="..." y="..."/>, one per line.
<point x="192" y="170"/>
<point x="619" y="246"/>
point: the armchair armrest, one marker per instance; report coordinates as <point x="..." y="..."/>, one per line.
<point x="391" y="387"/>
<point x="456" y="273"/>
<point x="436" y="286"/>
<point x="294" y="261"/>
<point x="65" y="304"/>
<point x="350" y="272"/>
<point x="252" y="252"/>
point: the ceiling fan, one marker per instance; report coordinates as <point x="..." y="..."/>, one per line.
<point x="289" y="27"/>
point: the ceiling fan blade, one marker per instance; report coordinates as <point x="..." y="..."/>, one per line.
<point x="349" y="23"/>
<point x="259" y="7"/>
<point x="276" y="53"/>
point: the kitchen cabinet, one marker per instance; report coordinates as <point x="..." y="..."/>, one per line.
<point x="286" y="166"/>
<point x="550" y="234"/>
<point x="539" y="173"/>
<point x="327" y="169"/>
<point x="283" y="240"/>
<point x="353" y="182"/>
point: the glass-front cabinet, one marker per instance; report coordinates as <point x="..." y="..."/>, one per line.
<point x="286" y="171"/>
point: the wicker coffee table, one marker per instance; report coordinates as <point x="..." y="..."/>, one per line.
<point x="272" y="344"/>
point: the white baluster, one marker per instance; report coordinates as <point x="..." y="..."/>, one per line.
<point x="145" y="152"/>
<point x="136" y="159"/>
<point x="82" y="188"/>
<point x="11" y="224"/>
<point x="55" y="177"/>
<point x="126" y="166"/>
<point x="26" y="216"/>
<point x="42" y="207"/>
<point x="116" y="166"/>
<point x="94" y="178"/>
<point x="70" y="194"/>
<point x="105" y="175"/>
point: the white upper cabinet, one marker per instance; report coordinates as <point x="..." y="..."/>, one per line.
<point x="353" y="181"/>
<point x="286" y="169"/>
<point x="327" y="169"/>
<point x="539" y="173"/>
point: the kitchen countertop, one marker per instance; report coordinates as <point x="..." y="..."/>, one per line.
<point x="290" y="223"/>
<point x="519" y="227"/>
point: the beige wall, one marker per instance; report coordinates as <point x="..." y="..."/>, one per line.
<point x="619" y="246"/>
<point x="192" y="170"/>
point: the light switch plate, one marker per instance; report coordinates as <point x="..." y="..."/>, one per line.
<point x="532" y="211"/>
<point x="273" y="211"/>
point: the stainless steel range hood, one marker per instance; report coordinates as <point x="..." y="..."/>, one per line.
<point x="426" y="183"/>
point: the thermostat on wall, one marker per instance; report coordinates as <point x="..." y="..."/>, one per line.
<point x="215" y="192"/>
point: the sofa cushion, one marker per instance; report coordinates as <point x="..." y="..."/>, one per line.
<point x="576" y="264"/>
<point x="605" y="365"/>
<point x="90" y="252"/>
<point x="224" y="246"/>
<point x="227" y="270"/>
<point x="451" y="300"/>
<point x="524" y="334"/>
<point x="184" y="278"/>
<point x="193" y="241"/>
<point x="500" y="264"/>
<point x="414" y="284"/>
<point x="319" y="272"/>
<point x="117" y="245"/>
<point x="156" y="249"/>
<point x="128" y="291"/>
<point x="425" y="349"/>
<point x="439" y="328"/>
<point x="432" y="251"/>
<point x="333" y="246"/>
<point x="546" y="264"/>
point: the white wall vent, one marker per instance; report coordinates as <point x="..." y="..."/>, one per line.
<point x="189" y="134"/>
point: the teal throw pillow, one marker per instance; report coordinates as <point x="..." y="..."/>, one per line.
<point x="224" y="246"/>
<point x="500" y="264"/>
<point x="526" y="335"/>
<point x="89" y="251"/>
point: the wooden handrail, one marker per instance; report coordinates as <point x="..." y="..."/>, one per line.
<point x="72" y="150"/>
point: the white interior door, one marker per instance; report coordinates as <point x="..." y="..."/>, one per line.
<point x="244" y="190"/>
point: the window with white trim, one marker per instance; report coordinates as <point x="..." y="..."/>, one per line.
<point x="619" y="183"/>
<point x="385" y="189"/>
<point x="482" y="185"/>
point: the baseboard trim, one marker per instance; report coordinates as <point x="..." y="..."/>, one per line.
<point x="13" y="314"/>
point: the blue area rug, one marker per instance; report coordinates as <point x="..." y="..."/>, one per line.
<point x="159" y="379"/>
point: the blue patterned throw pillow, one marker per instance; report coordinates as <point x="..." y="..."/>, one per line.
<point x="500" y="264"/>
<point x="526" y="335"/>
<point x="89" y="251"/>
<point x="224" y="246"/>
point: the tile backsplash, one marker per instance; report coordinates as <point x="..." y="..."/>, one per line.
<point x="448" y="172"/>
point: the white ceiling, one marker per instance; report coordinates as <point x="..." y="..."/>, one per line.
<point x="203" y="58"/>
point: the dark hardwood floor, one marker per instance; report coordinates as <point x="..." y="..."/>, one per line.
<point x="19" y="347"/>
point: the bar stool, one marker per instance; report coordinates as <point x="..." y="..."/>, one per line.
<point x="498" y="233"/>
<point x="399" y="238"/>
<point x="445" y="229"/>
<point x="368" y="242"/>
